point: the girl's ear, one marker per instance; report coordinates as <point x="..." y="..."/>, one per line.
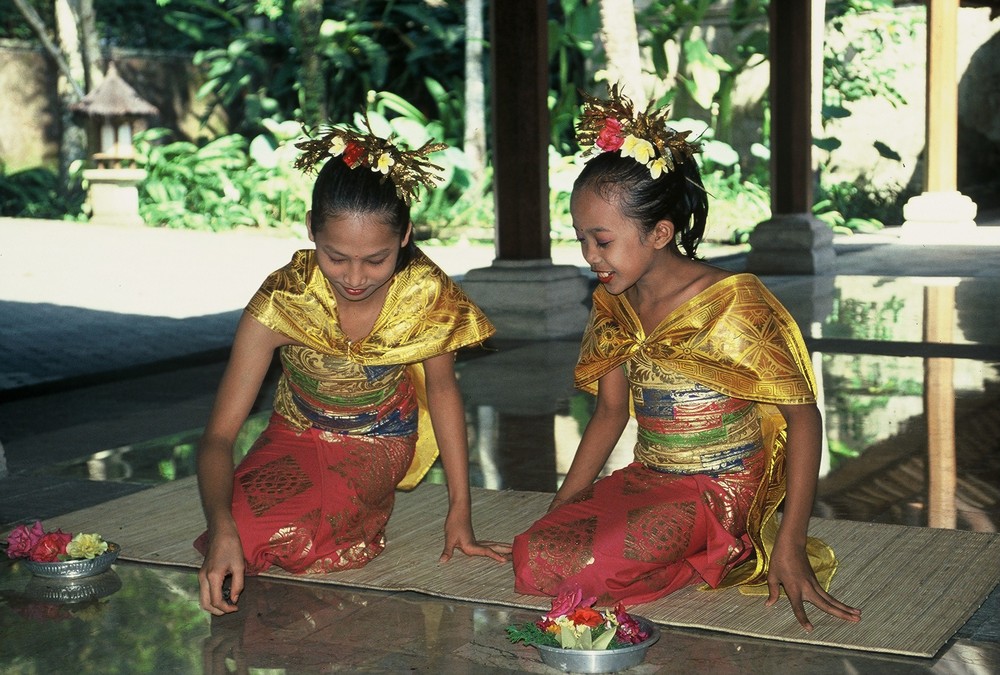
<point x="309" y="225"/>
<point x="663" y="233"/>
<point x="407" y="235"/>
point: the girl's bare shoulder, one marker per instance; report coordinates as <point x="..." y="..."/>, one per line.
<point x="707" y="275"/>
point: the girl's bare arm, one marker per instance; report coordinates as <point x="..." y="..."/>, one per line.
<point x="599" y="438"/>
<point x="253" y="349"/>
<point x="444" y="400"/>
<point x="789" y="565"/>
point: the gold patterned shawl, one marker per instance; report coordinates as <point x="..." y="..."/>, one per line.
<point x="737" y="338"/>
<point x="425" y="314"/>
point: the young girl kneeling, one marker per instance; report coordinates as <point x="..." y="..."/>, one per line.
<point x="364" y="325"/>
<point x="720" y="383"/>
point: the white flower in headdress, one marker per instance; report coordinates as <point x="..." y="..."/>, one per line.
<point x="639" y="148"/>
<point x="385" y="162"/>
<point x="337" y="146"/>
<point x="657" y="167"/>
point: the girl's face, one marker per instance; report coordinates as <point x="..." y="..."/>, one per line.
<point x="357" y="253"/>
<point x="615" y="247"/>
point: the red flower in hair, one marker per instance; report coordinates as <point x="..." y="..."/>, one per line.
<point x="610" y="138"/>
<point x="352" y="154"/>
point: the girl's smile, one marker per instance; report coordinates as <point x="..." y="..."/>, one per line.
<point x="357" y="254"/>
<point x="613" y="245"/>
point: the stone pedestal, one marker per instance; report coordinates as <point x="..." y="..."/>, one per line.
<point x="794" y="243"/>
<point x="114" y="195"/>
<point x="530" y="299"/>
<point x="939" y="218"/>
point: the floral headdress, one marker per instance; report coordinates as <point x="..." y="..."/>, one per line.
<point x="614" y="124"/>
<point x="407" y="169"/>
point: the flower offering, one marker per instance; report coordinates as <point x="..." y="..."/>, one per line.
<point x="37" y="545"/>
<point x="574" y="623"/>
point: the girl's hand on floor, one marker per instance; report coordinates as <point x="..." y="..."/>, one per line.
<point x="791" y="571"/>
<point x="224" y="559"/>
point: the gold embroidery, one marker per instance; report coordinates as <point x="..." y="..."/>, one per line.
<point x="659" y="533"/>
<point x="734" y="337"/>
<point x="273" y="483"/>
<point x="425" y="313"/>
<point x="566" y="547"/>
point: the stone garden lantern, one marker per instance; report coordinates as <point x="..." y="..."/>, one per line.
<point x="114" y="113"/>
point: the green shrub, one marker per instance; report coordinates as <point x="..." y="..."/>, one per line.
<point x="38" y="193"/>
<point x="223" y="184"/>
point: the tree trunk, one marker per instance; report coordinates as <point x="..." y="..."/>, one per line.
<point x="475" y="97"/>
<point x="37" y="25"/>
<point x="91" y="43"/>
<point x="73" y="143"/>
<point x="308" y="18"/>
<point x="621" y="45"/>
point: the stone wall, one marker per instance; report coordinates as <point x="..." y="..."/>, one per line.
<point x="29" y="118"/>
<point x="29" y="121"/>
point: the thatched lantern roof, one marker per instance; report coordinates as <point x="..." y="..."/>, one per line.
<point x="113" y="97"/>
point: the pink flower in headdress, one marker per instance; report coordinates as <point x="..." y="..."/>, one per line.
<point x="610" y="138"/>
<point x="352" y="154"/>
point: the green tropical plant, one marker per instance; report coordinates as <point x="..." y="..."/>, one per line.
<point x="38" y="193"/>
<point x="573" y="27"/>
<point x="707" y="75"/>
<point x="314" y="61"/>
<point x="224" y="183"/>
<point x="858" y="31"/>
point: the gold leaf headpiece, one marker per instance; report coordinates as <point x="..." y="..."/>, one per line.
<point x="407" y="169"/>
<point x="614" y="125"/>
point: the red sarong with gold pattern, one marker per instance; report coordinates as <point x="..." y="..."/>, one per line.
<point x="350" y="423"/>
<point x="698" y="503"/>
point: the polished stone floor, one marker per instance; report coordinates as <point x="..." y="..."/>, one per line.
<point x="909" y="365"/>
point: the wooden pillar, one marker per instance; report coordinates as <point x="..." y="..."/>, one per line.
<point x="525" y="295"/>
<point x="792" y="241"/>
<point x="519" y="60"/>
<point x="791" y="105"/>
<point x="941" y="166"/>
<point x="941" y="214"/>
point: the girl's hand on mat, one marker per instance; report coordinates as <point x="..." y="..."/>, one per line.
<point x="791" y="570"/>
<point x="224" y="559"/>
<point x="488" y="549"/>
<point x="458" y="534"/>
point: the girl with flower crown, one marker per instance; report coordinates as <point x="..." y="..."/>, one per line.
<point x="717" y="376"/>
<point x="366" y="328"/>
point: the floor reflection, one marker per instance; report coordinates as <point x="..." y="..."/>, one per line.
<point x="889" y="309"/>
<point x="152" y="624"/>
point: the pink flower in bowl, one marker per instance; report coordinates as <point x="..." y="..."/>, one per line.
<point x="22" y="539"/>
<point x="629" y="629"/>
<point x="567" y="601"/>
